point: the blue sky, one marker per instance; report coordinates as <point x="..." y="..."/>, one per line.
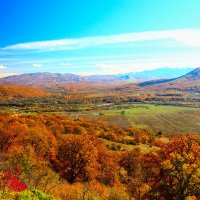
<point x="98" y="36"/>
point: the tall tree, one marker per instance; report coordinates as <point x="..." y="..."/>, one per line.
<point x="173" y="172"/>
<point x="76" y="159"/>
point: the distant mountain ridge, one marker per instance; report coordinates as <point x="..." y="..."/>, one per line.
<point x="9" y="89"/>
<point x="191" y="76"/>
<point x="161" y="73"/>
<point x="49" y="79"/>
<point x="189" y="81"/>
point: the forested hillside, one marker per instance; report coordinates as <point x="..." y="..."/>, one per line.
<point x="9" y="92"/>
<point x="60" y="158"/>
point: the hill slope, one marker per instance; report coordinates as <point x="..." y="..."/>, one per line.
<point x="161" y="73"/>
<point x="189" y="81"/>
<point x="9" y="92"/>
<point x="191" y="76"/>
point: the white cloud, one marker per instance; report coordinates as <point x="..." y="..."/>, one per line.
<point x="37" y="65"/>
<point x="2" y="67"/>
<point x="125" y="66"/>
<point x="104" y="66"/>
<point x="6" y="74"/>
<point x="65" y="64"/>
<point x="187" y="37"/>
<point x="117" y="68"/>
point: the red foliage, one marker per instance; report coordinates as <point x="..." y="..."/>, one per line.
<point x="11" y="182"/>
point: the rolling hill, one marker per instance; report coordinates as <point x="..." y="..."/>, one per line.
<point x="47" y="79"/>
<point x="11" y="91"/>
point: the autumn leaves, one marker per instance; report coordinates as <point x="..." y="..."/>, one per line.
<point x="49" y="150"/>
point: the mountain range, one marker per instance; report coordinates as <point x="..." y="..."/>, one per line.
<point x="19" y="85"/>
<point x="52" y="79"/>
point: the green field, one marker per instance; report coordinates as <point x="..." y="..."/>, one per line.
<point x="170" y="119"/>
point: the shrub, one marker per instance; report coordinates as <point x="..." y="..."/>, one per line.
<point x="118" y="194"/>
<point x="26" y="195"/>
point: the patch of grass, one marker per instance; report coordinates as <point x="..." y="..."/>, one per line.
<point x="125" y="147"/>
<point x="170" y="119"/>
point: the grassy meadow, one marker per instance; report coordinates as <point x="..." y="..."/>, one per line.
<point x="170" y="119"/>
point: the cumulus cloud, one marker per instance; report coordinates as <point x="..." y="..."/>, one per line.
<point x="187" y="37"/>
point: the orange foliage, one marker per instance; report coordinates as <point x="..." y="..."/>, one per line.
<point x="8" y="92"/>
<point x="46" y="146"/>
<point x="174" y="170"/>
<point x="76" y="158"/>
